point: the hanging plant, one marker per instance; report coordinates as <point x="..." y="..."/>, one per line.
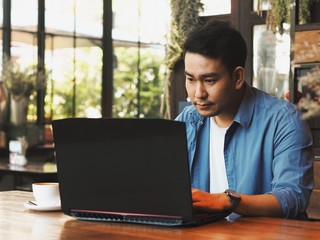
<point x="279" y="13"/>
<point x="184" y="19"/>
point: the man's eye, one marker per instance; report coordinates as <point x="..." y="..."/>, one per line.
<point x="210" y="81"/>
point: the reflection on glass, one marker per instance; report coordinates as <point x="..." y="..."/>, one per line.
<point x="216" y="7"/>
<point x="271" y="61"/>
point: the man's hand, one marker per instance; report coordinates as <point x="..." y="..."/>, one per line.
<point x="265" y="205"/>
<point x="208" y="202"/>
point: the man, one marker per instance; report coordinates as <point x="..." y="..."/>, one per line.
<point x="241" y="138"/>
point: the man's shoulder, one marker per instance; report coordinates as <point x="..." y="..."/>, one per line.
<point x="267" y="102"/>
<point x="276" y="110"/>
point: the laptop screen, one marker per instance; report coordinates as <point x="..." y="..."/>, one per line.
<point x="123" y="165"/>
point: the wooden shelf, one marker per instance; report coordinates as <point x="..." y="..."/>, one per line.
<point x="307" y="27"/>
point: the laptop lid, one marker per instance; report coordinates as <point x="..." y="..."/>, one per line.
<point x="123" y="169"/>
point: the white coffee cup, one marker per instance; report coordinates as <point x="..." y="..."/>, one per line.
<point x="46" y="193"/>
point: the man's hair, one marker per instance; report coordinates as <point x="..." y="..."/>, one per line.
<point x="218" y="40"/>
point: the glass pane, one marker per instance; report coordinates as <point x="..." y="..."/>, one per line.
<point x="59" y="16"/>
<point x="142" y="20"/>
<point x="216" y="7"/>
<point x="1" y="44"/>
<point x="24" y="14"/>
<point x="271" y="61"/>
<point x="73" y="54"/>
<point x="60" y="95"/>
<point x="78" y="67"/>
<point x="89" y="17"/>
<point x="79" y="16"/>
<point x="139" y="72"/>
<point x="24" y="52"/>
<point x="1" y="13"/>
<point x="154" y="21"/>
<point x="125" y="20"/>
<point x="88" y="72"/>
<point x="127" y="81"/>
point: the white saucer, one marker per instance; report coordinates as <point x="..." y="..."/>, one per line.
<point x="31" y="206"/>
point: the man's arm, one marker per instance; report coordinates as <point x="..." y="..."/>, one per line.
<point x="250" y="205"/>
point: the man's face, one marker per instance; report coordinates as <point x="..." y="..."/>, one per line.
<point x="209" y="85"/>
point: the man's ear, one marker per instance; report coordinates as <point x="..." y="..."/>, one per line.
<point x="238" y="75"/>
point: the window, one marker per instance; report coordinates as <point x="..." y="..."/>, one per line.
<point x="73" y="55"/>
<point x="271" y="61"/>
<point x="139" y="37"/>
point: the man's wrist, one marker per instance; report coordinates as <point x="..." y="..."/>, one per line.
<point x="234" y="198"/>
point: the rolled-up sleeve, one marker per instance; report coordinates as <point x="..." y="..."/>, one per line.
<point x="293" y="165"/>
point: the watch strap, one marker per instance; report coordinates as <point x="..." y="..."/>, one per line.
<point x="234" y="197"/>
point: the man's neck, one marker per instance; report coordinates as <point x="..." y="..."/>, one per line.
<point x="223" y="121"/>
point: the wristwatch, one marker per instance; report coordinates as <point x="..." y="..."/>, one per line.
<point x="234" y="197"/>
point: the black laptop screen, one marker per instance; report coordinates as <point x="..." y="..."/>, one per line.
<point x="123" y="165"/>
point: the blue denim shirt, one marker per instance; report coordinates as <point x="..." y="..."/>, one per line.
<point x="268" y="150"/>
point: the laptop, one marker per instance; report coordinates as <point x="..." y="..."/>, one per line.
<point x="125" y="170"/>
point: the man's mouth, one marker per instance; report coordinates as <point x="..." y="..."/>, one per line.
<point x="203" y="105"/>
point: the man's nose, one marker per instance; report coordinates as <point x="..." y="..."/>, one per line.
<point x="200" y="91"/>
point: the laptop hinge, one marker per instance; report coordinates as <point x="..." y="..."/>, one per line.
<point x="166" y="220"/>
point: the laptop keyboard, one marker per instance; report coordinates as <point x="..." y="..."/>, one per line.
<point x="108" y="217"/>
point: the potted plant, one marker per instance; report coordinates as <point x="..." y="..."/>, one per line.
<point x="21" y="84"/>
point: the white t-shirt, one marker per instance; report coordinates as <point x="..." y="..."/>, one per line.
<point x="218" y="175"/>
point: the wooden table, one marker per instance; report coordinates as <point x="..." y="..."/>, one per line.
<point x="17" y="222"/>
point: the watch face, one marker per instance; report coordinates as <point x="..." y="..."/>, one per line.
<point x="233" y="193"/>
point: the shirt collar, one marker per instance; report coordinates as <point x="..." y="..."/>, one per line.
<point x="245" y="111"/>
<point x="195" y="116"/>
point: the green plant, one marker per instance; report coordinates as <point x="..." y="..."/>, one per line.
<point x="184" y="18"/>
<point x="22" y="81"/>
<point x="279" y="13"/>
